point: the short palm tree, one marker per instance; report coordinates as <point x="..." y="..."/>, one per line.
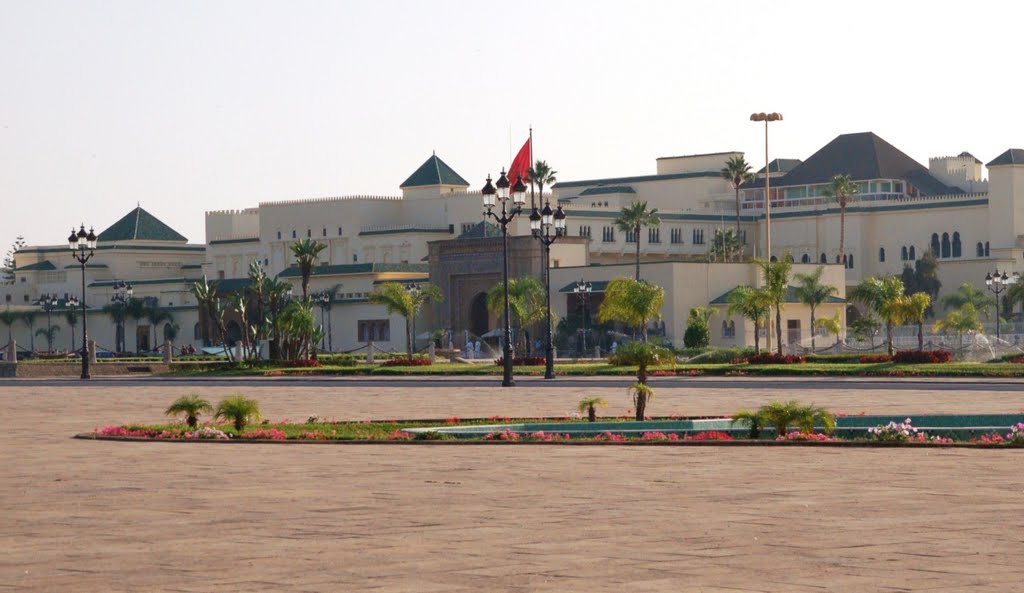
<point x="307" y="252"/>
<point x="755" y="421"/>
<point x="781" y="416"/>
<point x="632" y="219"/>
<point x="71" y="317"/>
<point x="913" y="308"/>
<point x="525" y="304"/>
<point x="540" y="174"/>
<point x="959" y="322"/>
<point x="632" y="302"/>
<point x="967" y="293"/>
<point x="883" y="296"/>
<point x="776" y="279"/>
<point x="725" y="246"/>
<point x="191" y="406"/>
<point x="754" y="304"/>
<point x="50" y="334"/>
<point x="832" y="326"/>
<point x="407" y="302"/>
<point x="643" y="356"/>
<point x="811" y="292"/>
<point x="840" y="189"/>
<point x="238" y="410"/>
<point x="590" y="406"/>
<point x="737" y="173"/>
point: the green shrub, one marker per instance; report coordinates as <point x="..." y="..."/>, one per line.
<point x="697" y="336"/>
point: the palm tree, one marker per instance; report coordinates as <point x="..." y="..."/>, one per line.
<point x="540" y="174"/>
<point x="590" y="406"/>
<point x="399" y="299"/>
<point x="307" y="252"/>
<point x="737" y="173"/>
<point x="754" y="304"/>
<point x="792" y="413"/>
<point x="239" y="410"/>
<point x="50" y="333"/>
<point x="755" y="421"/>
<point x="913" y="308"/>
<point x="811" y="292"/>
<point x="8" y="317"/>
<point x="632" y="302"/>
<point x="634" y="217"/>
<point x="776" y="279"/>
<point x="257" y="289"/>
<point x="155" y="315"/>
<point x="832" y="325"/>
<point x="29" y="318"/>
<point x="526" y="298"/>
<point x="724" y="245"/>
<point x="960" y="321"/>
<point x="210" y="312"/>
<point x="643" y="356"/>
<point x="295" y="328"/>
<point x="191" y="406"/>
<point x="967" y="293"/>
<point x="71" y="317"/>
<point x="884" y="298"/>
<point x="840" y="189"/>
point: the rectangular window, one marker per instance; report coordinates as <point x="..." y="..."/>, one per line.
<point x="293" y="234"/>
<point x="378" y="330"/>
<point x="676" y="236"/>
<point x="630" y="236"/>
<point x="339" y="231"/>
<point x="325" y="231"/>
<point x="309" y="233"/>
<point x="698" y="236"/>
<point x="608" y="234"/>
<point x="654" y="235"/>
<point x="466" y="227"/>
<point x="278" y="234"/>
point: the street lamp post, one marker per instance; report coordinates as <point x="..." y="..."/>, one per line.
<point x="767" y="117"/>
<point x="123" y="292"/>
<point x="414" y="290"/>
<point x="500" y="191"/>
<point x="541" y="223"/>
<point x="48" y="302"/>
<point x="998" y="284"/>
<point x="72" y="303"/>
<point x="583" y="289"/>
<point x="324" y="300"/>
<point x="80" y="243"/>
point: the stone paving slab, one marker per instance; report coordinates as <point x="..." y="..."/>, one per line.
<point x="107" y="516"/>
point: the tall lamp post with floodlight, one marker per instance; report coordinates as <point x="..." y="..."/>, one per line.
<point x="583" y="290"/>
<point x="48" y="302"/>
<point x="123" y="292"/>
<point x="500" y="192"/>
<point x="324" y="300"/>
<point x="998" y="284"/>
<point x="83" y="247"/>
<point x="541" y="224"/>
<point x="767" y="117"/>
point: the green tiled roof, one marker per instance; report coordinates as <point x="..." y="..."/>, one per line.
<point x="344" y="269"/>
<point x="229" y="241"/>
<point x="434" y="172"/>
<point x="192" y="267"/>
<point x="121" y="247"/>
<point x="89" y="266"/>
<point x="596" y="286"/>
<point x="1013" y="156"/>
<point x="637" y="179"/>
<point x="608" y="189"/>
<point x="139" y="225"/>
<point x="790" y="297"/>
<point x="408" y="230"/>
<point x="43" y="266"/>
<point x="100" y="283"/>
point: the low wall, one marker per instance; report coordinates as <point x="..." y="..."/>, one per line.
<point x="65" y="369"/>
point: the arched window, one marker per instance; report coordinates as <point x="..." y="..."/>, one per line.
<point x="806" y="259"/>
<point x="823" y="259"/>
<point x="197" y="332"/>
<point x="935" y="244"/>
<point x="945" y="246"/>
<point x="913" y="253"/>
<point x="840" y="259"/>
<point x="849" y="261"/>
<point x="986" y="248"/>
<point x="980" y="250"/>
<point x="957" y="247"/>
<point x="881" y="254"/>
<point x="903" y="253"/>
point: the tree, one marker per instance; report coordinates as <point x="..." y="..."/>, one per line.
<point x="832" y="325"/>
<point x="959" y="321"/>
<point x="776" y="279"/>
<point x="811" y="292"/>
<point x="725" y="246"/>
<point x="238" y="410"/>
<point x="29" y="319"/>
<point x="967" y="293"/>
<point x="540" y="174"/>
<point x="50" y="333"/>
<point x="191" y="406"/>
<point x="296" y="326"/>
<point x="866" y="327"/>
<point x="71" y="317"/>
<point x="7" y="268"/>
<point x="257" y="290"/>
<point x="643" y="356"/>
<point x="840" y="189"/>
<point x="211" y="313"/>
<point x="781" y="416"/>
<point x="307" y="252"/>
<point x="526" y="305"/>
<point x="632" y="302"/>
<point x="590" y="406"/>
<point x="883" y="296"/>
<point x="632" y="219"/>
<point x="155" y="315"/>
<point x="8" y="317"/>
<point x="737" y="173"/>
<point x="913" y="308"/>
<point x="1014" y="295"/>
<point x="698" y="333"/>
<point x="397" y="298"/>
<point x="754" y="304"/>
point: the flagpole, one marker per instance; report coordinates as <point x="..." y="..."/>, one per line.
<point x="533" y="202"/>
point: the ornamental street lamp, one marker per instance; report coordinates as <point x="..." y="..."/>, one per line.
<point x="583" y="290"/>
<point x="767" y="117"/>
<point x="998" y="284"/>
<point x="500" y="192"/>
<point x="80" y="243"/>
<point x="122" y="295"/>
<point x="324" y="300"/>
<point x="72" y="303"/>
<point x="541" y="223"/>
<point x="48" y="302"/>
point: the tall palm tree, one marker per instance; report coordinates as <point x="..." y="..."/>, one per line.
<point x="307" y="252"/>
<point x="29" y="318"/>
<point x="737" y="173"/>
<point x="50" y="333"/>
<point x="632" y="302"/>
<point x="913" y="308"/>
<point x="840" y="189"/>
<point x="634" y="217"/>
<point x="754" y="304"/>
<point x="71" y="317"/>
<point x="776" y="279"/>
<point x="884" y="297"/>
<point x="811" y="292"/>
<point x="526" y="299"/>
<point x="540" y="174"/>
<point x="8" y="317"/>
<point x="397" y="298"/>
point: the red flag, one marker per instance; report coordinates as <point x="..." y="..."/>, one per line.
<point x="521" y="164"/>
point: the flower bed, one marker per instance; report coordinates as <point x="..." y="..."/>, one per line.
<point x="770" y="358"/>
<point x="523" y="361"/>
<point x="406" y="362"/>
<point x="923" y="357"/>
<point x="875" y="359"/>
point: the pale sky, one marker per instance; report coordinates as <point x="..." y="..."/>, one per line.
<point x="194" y="106"/>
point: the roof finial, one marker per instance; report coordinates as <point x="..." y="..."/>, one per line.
<point x="434" y="152"/>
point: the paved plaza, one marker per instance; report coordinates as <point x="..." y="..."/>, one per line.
<point x="93" y="516"/>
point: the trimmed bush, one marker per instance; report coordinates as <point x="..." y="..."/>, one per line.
<point x="923" y="356"/>
<point x="875" y="358"/>
<point x="341" y="360"/>
<point x="697" y="336"/>
<point x="406" y="362"/>
<point x="523" y="361"/>
<point x="304" y="363"/>
<point x="833" y="358"/>
<point x="769" y="358"/>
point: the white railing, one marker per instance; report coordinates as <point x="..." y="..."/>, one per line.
<point x="893" y="199"/>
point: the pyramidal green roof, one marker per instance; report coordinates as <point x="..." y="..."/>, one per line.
<point x="434" y="172"/>
<point x="139" y="225"/>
